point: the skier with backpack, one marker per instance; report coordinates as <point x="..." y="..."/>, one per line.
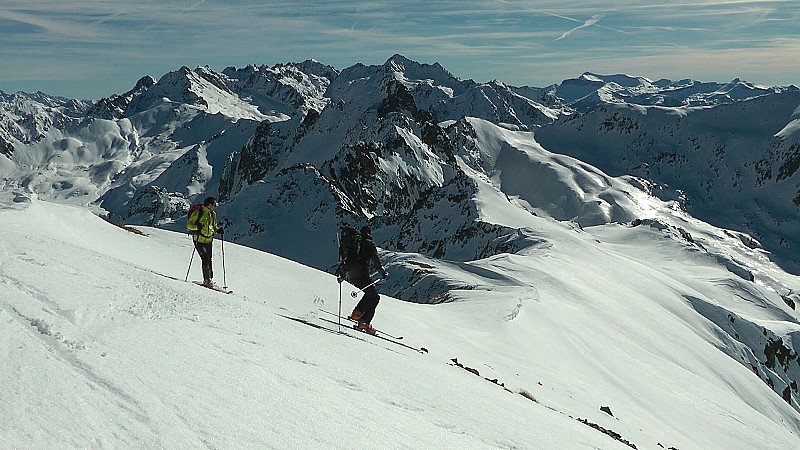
<point x="356" y="252"/>
<point x="202" y="225"/>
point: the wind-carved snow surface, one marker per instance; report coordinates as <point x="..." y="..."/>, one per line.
<point x="610" y="336"/>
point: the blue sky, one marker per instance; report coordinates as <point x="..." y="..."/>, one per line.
<point x="89" y="49"/>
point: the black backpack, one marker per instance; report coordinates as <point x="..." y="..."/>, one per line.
<point x="349" y="247"/>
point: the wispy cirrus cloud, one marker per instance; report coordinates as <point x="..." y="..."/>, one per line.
<point x="106" y="46"/>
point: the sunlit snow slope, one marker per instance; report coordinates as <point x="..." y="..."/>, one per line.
<point x="105" y="345"/>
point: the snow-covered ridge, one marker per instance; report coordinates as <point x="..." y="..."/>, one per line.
<point x="588" y="91"/>
<point x="734" y="165"/>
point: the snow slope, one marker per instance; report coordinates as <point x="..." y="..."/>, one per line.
<point x="105" y="345"/>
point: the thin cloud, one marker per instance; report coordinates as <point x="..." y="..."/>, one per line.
<point x="60" y="28"/>
<point x="593" y="21"/>
<point x="586" y="24"/>
<point x="110" y="43"/>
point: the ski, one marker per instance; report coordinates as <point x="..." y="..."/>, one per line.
<point x="332" y="330"/>
<point x="320" y="327"/>
<point x="215" y="288"/>
<point x="355" y="321"/>
<point x="385" y="338"/>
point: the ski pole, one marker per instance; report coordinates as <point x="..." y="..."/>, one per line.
<point x="224" y="275"/>
<point x="355" y="293"/>
<point x="340" y="306"/>
<point x="339" y="246"/>
<point x="194" y="249"/>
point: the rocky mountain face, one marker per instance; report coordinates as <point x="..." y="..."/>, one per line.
<point x="27" y="118"/>
<point x="446" y="171"/>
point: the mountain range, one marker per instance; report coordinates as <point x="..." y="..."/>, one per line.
<point x="449" y="173"/>
<point x="145" y="155"/>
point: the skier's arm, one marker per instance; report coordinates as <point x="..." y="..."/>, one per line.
<point x="377" y="262"/>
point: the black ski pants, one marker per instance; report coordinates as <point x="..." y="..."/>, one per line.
<point x="359" y="277"/>
<point x="204" y="250"/>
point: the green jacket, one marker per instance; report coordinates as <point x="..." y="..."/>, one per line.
<point x="204" y="226"/>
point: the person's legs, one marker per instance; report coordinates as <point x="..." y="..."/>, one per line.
<point x="368" y="304"/>
<point x="204" y="250"/>
<point x="358" y="276"/>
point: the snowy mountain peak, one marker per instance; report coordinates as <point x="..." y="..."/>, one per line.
<point x="624" y="80"/>
<point x="413" y="73"/>
<point x="590" y="77"/>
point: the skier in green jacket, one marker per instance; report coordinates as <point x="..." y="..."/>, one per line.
<point x="202" y="224"/>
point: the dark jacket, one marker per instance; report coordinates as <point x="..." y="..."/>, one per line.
<point x="358" y="269"/>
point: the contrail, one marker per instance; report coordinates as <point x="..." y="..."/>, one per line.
<point x="590" y="22"/>
<point x="586" y="24"/>
<point x="189" y="8"/>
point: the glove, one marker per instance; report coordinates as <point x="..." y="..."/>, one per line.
<point x="384" y="273"/>
<point x="221" y="231"/>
